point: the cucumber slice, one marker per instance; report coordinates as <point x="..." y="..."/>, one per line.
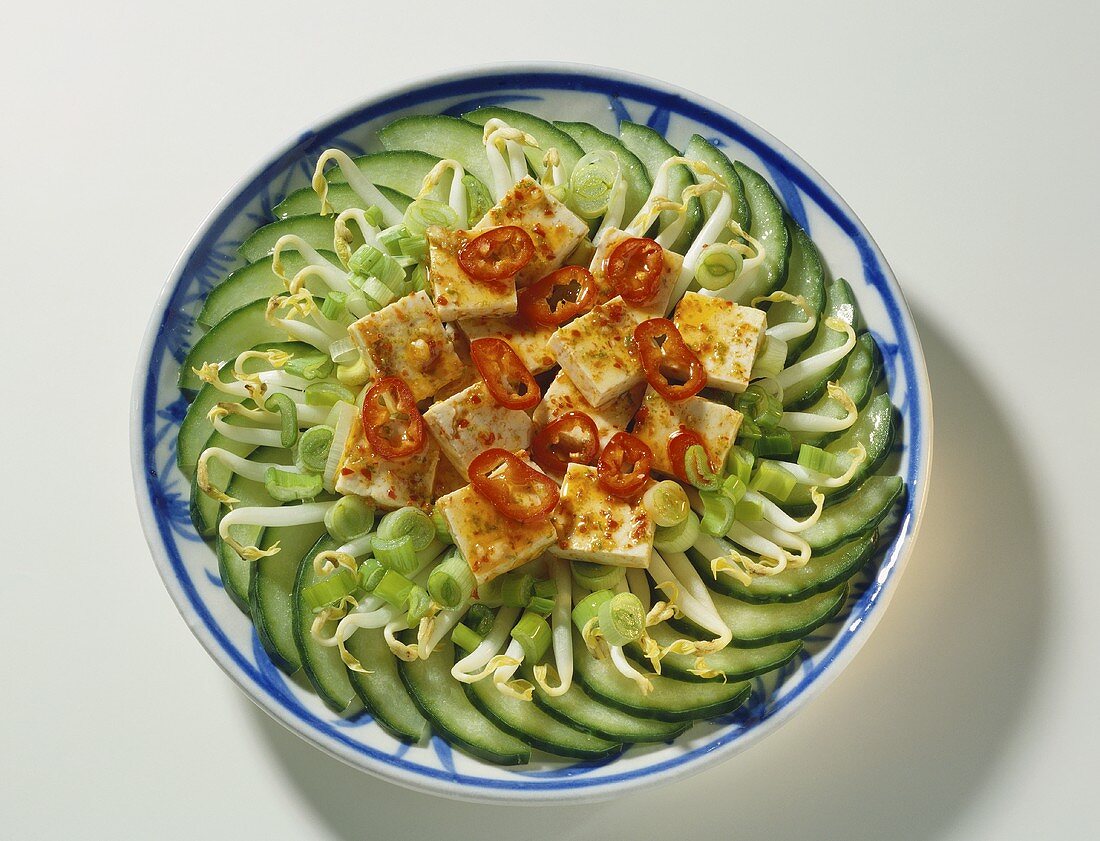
<point x="805" y="277"/>
<point x="443" y="137"/>
<point x="861" y="372"/>
<point x="840" y="303"/>
<point x="734" y="663"/>
<point x="235" y="571"/>
<point x="305" y="201"/>
<point x="444" y="703"/>
<point x="824" y="571"/>
<point x="583" y="712"/>
<point x="381" y="691"/>
<point x="317" y="230"/>
<point x="758" y="625"/>
<point x="546" y="134"/>
<point x="402" y="171"/>
<point x="670" y="700"/>
<point x="652" y="150"/>
<point x="874" y="429"/>
<point x="770" y="228"/>
<point x="638" y="184"/>
<point x="253" y="282"/>
<point x="715" y="158"/>
<point x="536" y="727"/>
<point x="322" y="665"/>
<point x="242" y="329"/>
<point x="859" y="514"/>
<point x="270" y="591"/>
<point x="205" y="510"/>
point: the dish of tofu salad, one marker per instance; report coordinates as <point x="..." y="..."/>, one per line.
<point x="535" y="438"/>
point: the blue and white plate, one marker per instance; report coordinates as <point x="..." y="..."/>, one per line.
<point x="602" y="97"/>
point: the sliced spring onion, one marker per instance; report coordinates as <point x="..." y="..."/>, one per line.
<point x="516" y="589"/>
<point x="697" y="468"/>
<point x="760" y="407"/>
<point x="314" y="366"/>
<point x="452" y="582"/>
<point x="478" y="200"/>
<point x="330" y="590"/>
<point x="533" y="635"/>
<point x="343" y="351"/>
<point x="739" y="463"/>
<point x="344" y="416"/>
<point x="748" y="509"/>
<point x="391" y="238"/>
<point x="541" y="605"/>
<point x="596" y="576"/>
<point x="396" y="553"/>
<point x="415" y="248"/>
<point x="288" y="417"/>
<point x="353" y="375"/>
<point x="328" y="394"/>
<point x="815" y="458"/>
<point x="419" y="602"/>
<point x="349" y="518"/>
<point x="772" y="479"/>
<point x="418" y="281"/>
<point x="424" y="213"/>
<point x="677" y="538"/>
<point x="378" y="291"/>
<point x="479" y="618"/>
<point x="489" y="592"/>
<point x="546" y="588"/>
<point x="774" y="442"/>
<point x="287" y="487"/>
<point x="592" y="182"/>
<point x="771" y="358"/>
<point x="465" y="638"/>
<point x="368" y="261"/>
<point x="313" y="447"/>
<point x="393" y="588"/>
<point x="734" y="488"/>
<point x="416" y="524"/>
<point x="667" y="503"/>
<point x="371" y="572"/>
<point x="334" y="307"/>
<point x="442" y="531"/>
<point x="588" y="608"/>
<point x="719" y="267"/>
<point x="718" y="512"/>
<point x="621" y="619"/>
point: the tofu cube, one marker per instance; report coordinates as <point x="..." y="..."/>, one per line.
<point x="388" y="484"/>
<point x="724" y="335"/>
<point x="447" y="479"/>
<point x="611" y="239"/>
<point x="562" y="396"/>
<point x="715" y="423"/>
<point x="529" y="341"/>
<point x="596" y="351"/>
<point x="470" y="422"/>
<point x="491" y="543"/>
<point x="554" y="229"/>
<point x="594" y="526"/>
<point x="457" y="295"/>
<point x="406" y="340"/>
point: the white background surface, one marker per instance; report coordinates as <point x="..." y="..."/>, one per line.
<point x="964" y="135"/>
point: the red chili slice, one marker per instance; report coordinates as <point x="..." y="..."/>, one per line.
<point x="496" y="254"/>
<point x="678" y="444"/>
<point x="505" y="375"/>
<point x="558" y="297"/>
<point x="662" y="351"/>
<point x="571" y="438"/>
<point x="513" y="487"/>
<point x="391" y="422"/>
<point x="623" y="469"/>
<point x="634" y="268"/>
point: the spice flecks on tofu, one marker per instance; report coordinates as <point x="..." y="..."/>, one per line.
<point x="594" y="526"/>
<point x="457" y="295"/>
<point x="406" y="340"/>
<point x="611" y="239"/>
<point x="389" y="484"/>
<point x="470" y="422"/>
<point x="724" y="335"/>
<point x="715" y="423"/>
<point x="562" y="396"/>
<point x="529" y="341"/>
<point x="597" y="352"/>
<point x="555" y="230"/>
